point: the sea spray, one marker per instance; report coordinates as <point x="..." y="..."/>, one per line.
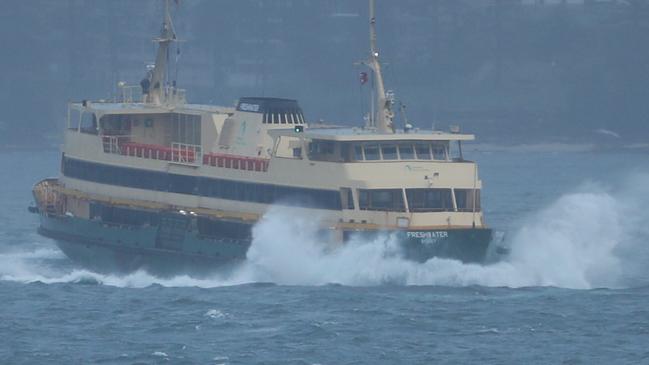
<point x="569" y="244"/>
<point x="587" y="239"/>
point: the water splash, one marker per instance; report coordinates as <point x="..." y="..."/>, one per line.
<point x="587" y="239"/>
<point x="569" y="244"/>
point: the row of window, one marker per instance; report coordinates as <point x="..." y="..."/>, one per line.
<point x="381" y="199"/>
<point x="134" y="217"/>
<point x="122" y="216"/>
<point x="283" y="118"/>
<point x="402" y="151"/>
<point x="202" y="186"/>
<point x="419" y="200"/>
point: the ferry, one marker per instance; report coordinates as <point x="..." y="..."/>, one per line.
<point x="150" y="181"/>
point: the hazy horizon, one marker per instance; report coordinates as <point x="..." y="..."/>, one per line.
<point x="532" y="71"/>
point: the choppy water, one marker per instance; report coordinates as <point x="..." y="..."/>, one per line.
<point x="575" y="289"/>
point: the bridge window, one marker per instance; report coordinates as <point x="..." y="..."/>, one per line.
<point x="439" y="151"/>
<point x="323" y="150"/>
<point x="89" y="123"/>
<point x="381" y="199"/>
<point x="406" y="152"/>
<point x="115" y="124"/>
<point x="389" y="152"/>
<point x="466" y="198"/>
<point x="397" y="151"/>
<point x="423" y="151"/>
<point x="429" y="200"/>
<point x="372" y="152"/>
<point x="358" y="153"/>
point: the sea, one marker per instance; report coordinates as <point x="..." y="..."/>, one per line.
<point x="574" y="288"/>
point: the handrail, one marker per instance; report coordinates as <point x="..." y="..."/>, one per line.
<point x="236" y="162"/>
<point x="114" y="143"/>
<point x="182" y="153"/>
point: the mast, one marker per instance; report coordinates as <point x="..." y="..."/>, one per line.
<point x="158" y="77"/>
<point x="383" y="121"/>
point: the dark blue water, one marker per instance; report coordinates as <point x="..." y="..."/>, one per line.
<point x="575" y="289"/>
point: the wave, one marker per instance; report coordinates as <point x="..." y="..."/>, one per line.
<point x="592" y="238"/>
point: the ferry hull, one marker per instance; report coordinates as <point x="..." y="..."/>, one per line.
<point x="470" y="245"/>
<point x="113" y="248"/>
<point x="118" y="248"/>
<point x="466" y="245"/>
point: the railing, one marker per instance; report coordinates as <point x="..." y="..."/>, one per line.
<point x="236" y="162"/>
<point x="174" y="96"/>
<point x="128" y="92"/>
<point x="113" y="144"/>
<point x="169" y="95"/>
<point x="184" y="153"/>
<point x="141" y="150"/>
<point x="181" y="153"/>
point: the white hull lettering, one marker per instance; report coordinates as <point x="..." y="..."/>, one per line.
<point x="427" y="234"/>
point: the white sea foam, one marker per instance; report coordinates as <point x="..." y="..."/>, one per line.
<point x="587" y="239"/>
<point x="216" y="314"/>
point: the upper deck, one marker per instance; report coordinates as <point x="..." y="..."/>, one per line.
<point x="368" y="135"/>
<point x="100" y="108"/>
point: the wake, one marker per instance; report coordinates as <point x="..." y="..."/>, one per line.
<point x="587" y="239"/>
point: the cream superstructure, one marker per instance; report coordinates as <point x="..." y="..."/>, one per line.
<point x="385" y="178"/>
<point x="149" y="180"/>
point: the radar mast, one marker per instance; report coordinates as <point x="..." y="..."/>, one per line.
<point x="384" y="115"/>
<point x="156" y="80"/>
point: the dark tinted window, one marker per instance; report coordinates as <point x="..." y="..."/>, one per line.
<point x="406" y="152"/>
<point x="347" y="198"/>
<point x="389" y="152"/>
<point x="212" y="228"/>
<point x="423" y="151"/>
<point x="358" y="153"/>
<point x="192" y="185"/>
<point x="372" y="152"/>
<point x="464" y="198"/>
<point x="122" y="216"/>
<point x="439" y="151"/>
<point x="381" y="199"/>
<point x="429" y="200"/>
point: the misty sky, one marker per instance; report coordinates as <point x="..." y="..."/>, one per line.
<point x="529" y="70"/>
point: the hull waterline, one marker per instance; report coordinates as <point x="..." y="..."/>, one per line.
<point x="118" y="248"/>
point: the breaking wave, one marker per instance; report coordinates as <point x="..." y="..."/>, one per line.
<point x="587" y="239"/>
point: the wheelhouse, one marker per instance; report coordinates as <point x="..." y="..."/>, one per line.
<point x="334" y="145"/>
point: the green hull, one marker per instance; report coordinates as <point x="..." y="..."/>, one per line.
<point x="121" y="248"/>
<point x="465" y="244"/>
<point x="175" y="246"/>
